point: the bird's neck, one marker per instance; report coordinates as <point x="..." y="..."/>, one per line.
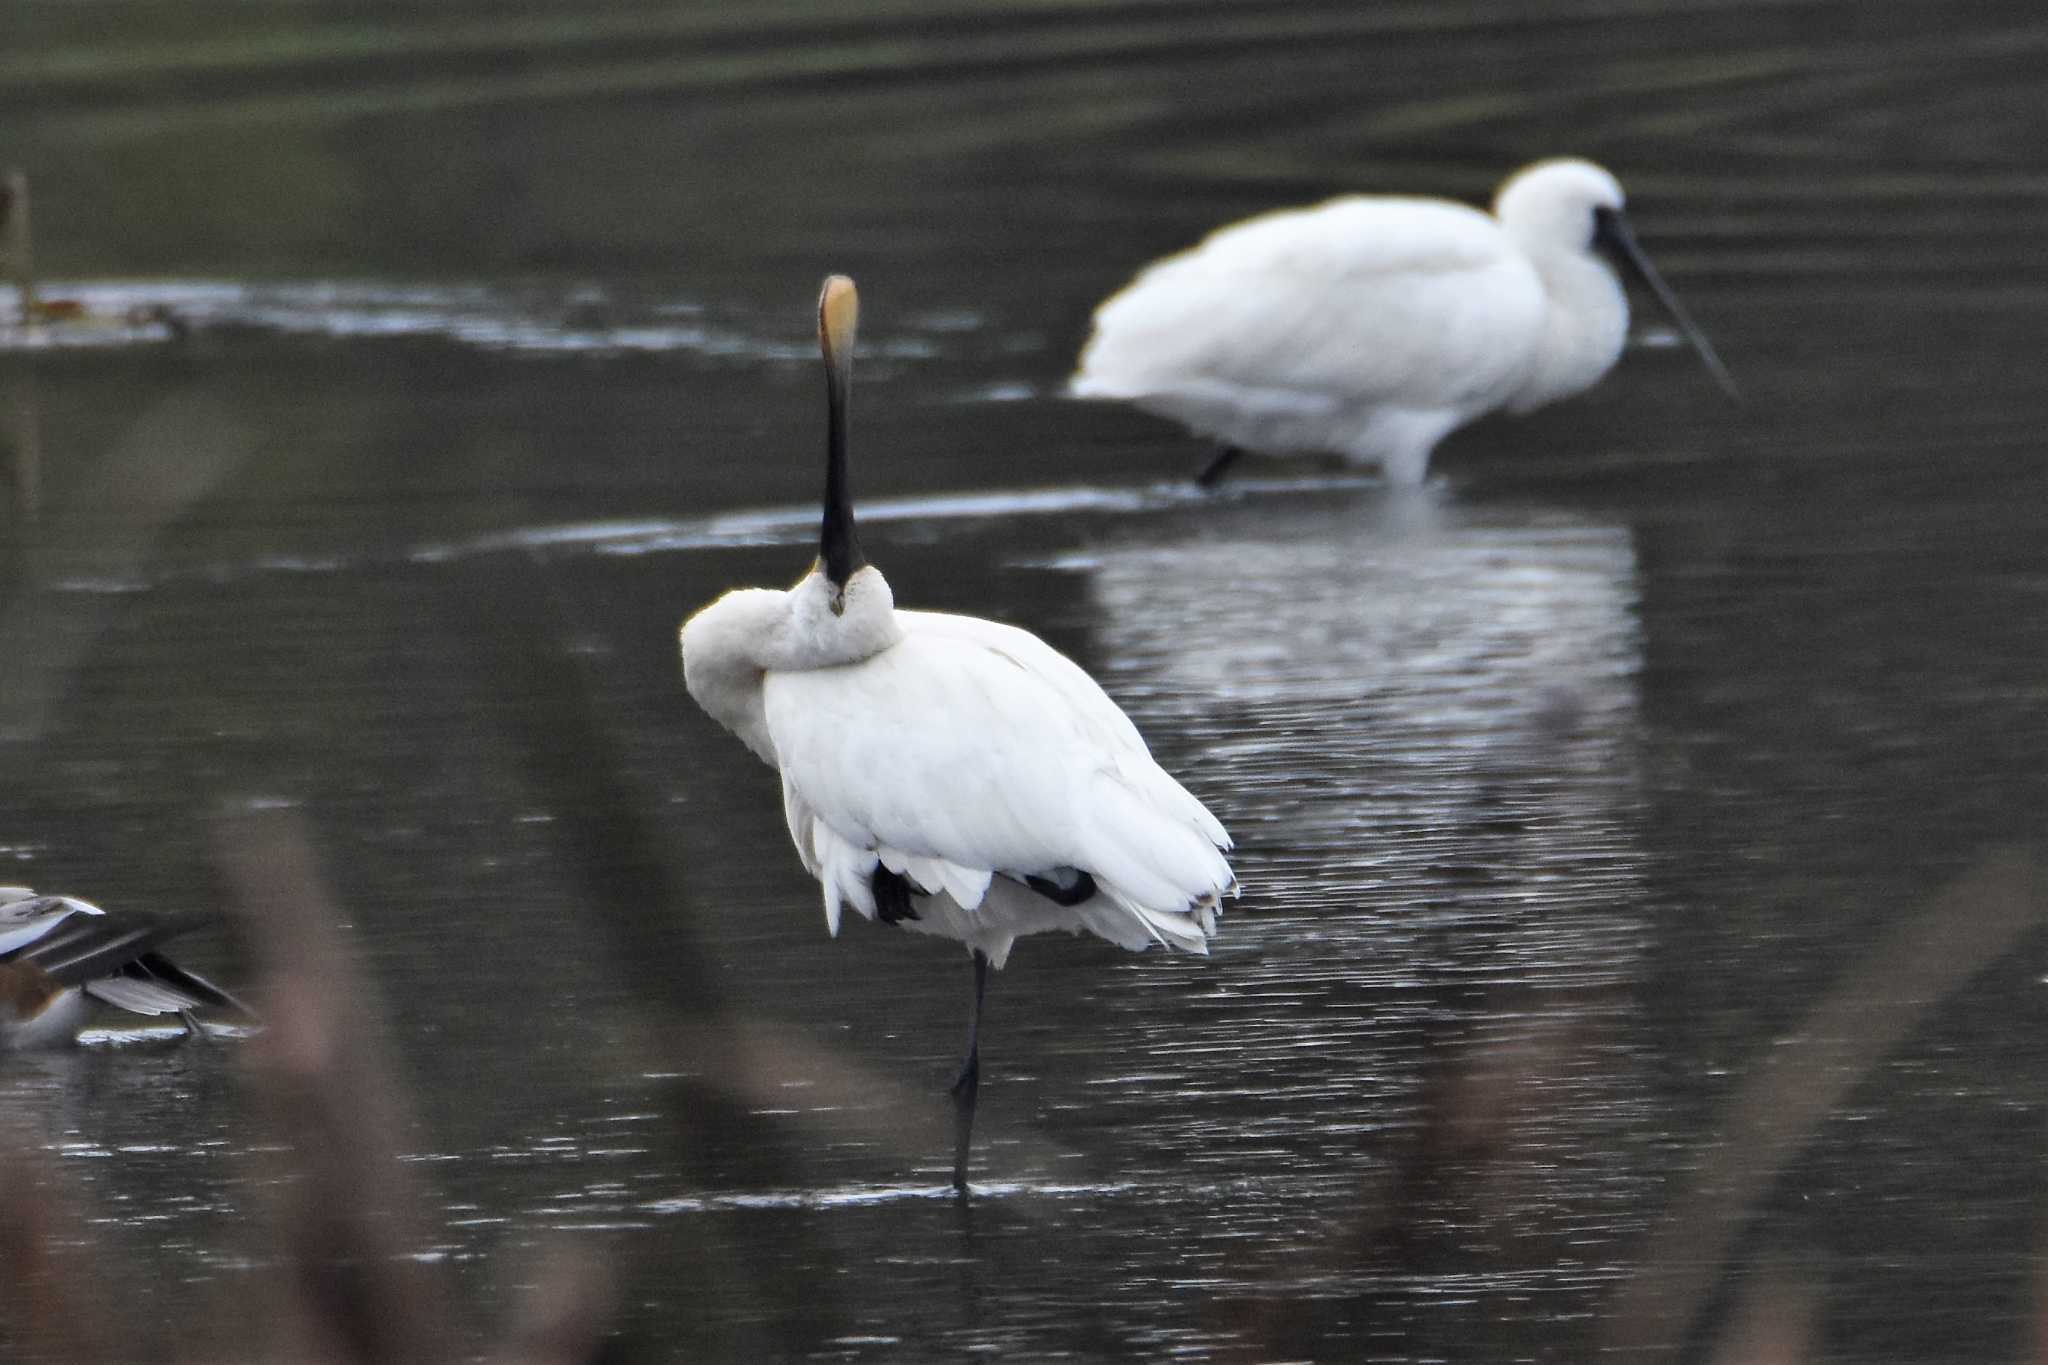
<point x="721" y="667"/>
<point x="830" y="625"/>
<point x="731" y="646"/>
<point x="1584" y="326"/>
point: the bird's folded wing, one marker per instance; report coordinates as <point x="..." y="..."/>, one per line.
<point x="1033" y="655"/>
<point x="1373" y="299"/>
<point x="959" y="753"/>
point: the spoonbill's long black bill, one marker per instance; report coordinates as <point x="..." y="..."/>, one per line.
<point x="1611" y="230"/>
<point x="838" y="320"/>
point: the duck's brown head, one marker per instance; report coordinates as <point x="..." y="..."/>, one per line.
<point x="26" y="990"/>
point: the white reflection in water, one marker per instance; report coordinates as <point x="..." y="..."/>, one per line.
<point x="855" y="1196"/>
<point x="1419" y="719"/>
<point x="1395" y="682"/>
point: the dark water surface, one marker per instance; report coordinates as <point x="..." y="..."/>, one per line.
<point x="1601" y="983"/>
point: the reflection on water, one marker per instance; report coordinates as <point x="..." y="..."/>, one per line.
<point x="1414" y="1035"/>
<point x="537" y="319"/>
<point x="1432" y="707"/>
<point x="1422" y="721"/>
<point x="1422" y="1092"/>
<point x="21" y="442"/>
<point x="881" y="1194"/>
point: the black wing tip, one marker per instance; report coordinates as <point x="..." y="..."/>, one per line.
<point x="892" y="892"/>
<point x="1064" y="893"/>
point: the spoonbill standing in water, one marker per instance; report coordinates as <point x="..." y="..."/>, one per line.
<point x="58" y="954"/>
<point x="1372" y="326"/>
<point x="946" y="774"/>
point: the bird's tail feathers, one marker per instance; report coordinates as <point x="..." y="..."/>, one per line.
<point x="1168" y="798"/>
<point x="846" y="873"/>
<point x="1186" y="931"/>
<point x="1152" y="858"/>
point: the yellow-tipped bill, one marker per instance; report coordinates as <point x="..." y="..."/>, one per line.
<point x="838" y="318"/>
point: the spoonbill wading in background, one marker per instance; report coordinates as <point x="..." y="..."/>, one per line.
<point x="58" y="954"/>
<point x="1372" y="326"/>
<point x="946" y="774"/>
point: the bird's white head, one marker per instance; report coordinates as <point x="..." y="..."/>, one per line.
<point x="1573" y="206"/>
<point x="1550" y="206"/>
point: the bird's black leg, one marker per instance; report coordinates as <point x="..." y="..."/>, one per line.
<point x="892" y="896"/>
<point x="968" y="1084"/>
<point x="1213" y="471"/>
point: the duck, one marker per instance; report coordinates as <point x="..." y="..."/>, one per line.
<point x="61" y="955"/>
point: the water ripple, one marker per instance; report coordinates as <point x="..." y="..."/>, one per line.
<point x="857" y="1196"/>
<point x="579" y="319"/>
<point x="788" y="524"/>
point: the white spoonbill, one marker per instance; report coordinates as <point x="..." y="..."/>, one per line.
<point x="58" y="954"/>
<point x="1372" y="326"/>
<point x="946" y="774"/>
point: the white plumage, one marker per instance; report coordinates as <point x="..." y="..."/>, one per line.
<point x="970" y="749"/>
<point x="956" y="776"/>
<point x="1372" y="326"/>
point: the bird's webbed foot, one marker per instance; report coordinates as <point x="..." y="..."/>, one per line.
<point x="892" y="896"/>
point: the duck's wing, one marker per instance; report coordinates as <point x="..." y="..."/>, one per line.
<point x="1355" y="302"/>
<point x="27" y="919"/>
<point x="153" y="984"/>
<point x="112" y="958"/>
<point x="969" y="750"/>
<point x="84" y="947"/>
<point x="191" y="983"/>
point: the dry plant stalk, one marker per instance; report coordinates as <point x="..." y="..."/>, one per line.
<point x="341" y="1223"/>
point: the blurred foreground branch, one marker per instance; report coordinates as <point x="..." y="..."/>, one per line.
<point x="165" y="463"/>
<point x="343" y="1210"/>
<point x="349" y="1285"/>
<point x="1874" y="1007"/>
